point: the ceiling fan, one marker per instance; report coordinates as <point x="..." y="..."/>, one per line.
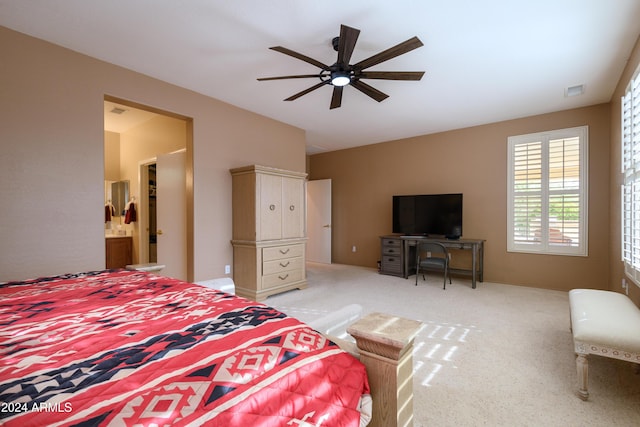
<point x="342" y="73"/>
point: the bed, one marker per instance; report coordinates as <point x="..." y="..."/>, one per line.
<point x="119" y="347"/>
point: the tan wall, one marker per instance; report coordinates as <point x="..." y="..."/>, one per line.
<point x="52" y="157"/>
<point x="52" y="171"/>
<point x="615" y="181"/>
<point x="111" y="156"/>
<point x="471" y="161"/>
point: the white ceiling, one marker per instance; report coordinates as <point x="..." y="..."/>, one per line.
<point x="120" y="118"/>
<point x="485" y="61"/>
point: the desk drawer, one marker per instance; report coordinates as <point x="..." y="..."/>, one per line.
<point x="392" y="264"/>
<point x="392" y="250"/>
<point x="391" y="243"/>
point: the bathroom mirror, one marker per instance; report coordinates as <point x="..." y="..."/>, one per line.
<point x="119" y="196"/>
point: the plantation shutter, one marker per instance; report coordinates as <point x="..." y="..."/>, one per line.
<point x="564" y="192"/>
<point x="527" y="189"/>
<point x="630" y="197"/>
<point x="547" y="192"/>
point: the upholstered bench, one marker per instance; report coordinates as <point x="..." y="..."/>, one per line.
<point x="603" y="323"/>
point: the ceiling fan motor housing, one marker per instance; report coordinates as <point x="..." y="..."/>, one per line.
<point x="335" y="42"/>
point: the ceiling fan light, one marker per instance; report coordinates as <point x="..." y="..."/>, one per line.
<point x="340" y="78"/>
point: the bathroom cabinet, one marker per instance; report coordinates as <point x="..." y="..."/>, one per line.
<point x="119" y="251"/>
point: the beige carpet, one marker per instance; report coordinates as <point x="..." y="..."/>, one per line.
<point x="498" y="355"/>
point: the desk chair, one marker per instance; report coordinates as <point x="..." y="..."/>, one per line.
<point x="432" y="255"/>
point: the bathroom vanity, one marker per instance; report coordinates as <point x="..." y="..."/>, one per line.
<point x="119" y="251"/>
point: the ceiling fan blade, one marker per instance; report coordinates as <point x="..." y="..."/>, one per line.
<point x="348" y="39"/>
<point x="369" y="90"/>
<point x="300" y="56"/>
<point x="391" y="75"/>
<point x="301" y="76"/>
<point x="392" y="52"/>
<point x="336" y="98"/>
<point x="306" y="91"/>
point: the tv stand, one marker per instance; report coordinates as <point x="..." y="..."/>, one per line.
<point x="398" y="255"/>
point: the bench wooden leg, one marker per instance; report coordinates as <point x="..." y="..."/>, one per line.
<point x="582" y="365"/>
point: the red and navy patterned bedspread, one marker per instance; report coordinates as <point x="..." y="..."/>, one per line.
<point x="128" y="348"/>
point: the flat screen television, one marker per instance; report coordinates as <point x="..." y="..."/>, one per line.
<point x="428" y="214"/>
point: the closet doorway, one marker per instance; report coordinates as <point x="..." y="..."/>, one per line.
<point x="140" y="144"/>
<point x="319" y="221"/>
<point x="148" y="221"/>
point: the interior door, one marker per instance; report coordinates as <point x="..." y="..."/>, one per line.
<point x="319" y="221"/>
<point x="171" y="205"/>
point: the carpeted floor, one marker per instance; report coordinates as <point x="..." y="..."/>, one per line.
<point x="498" y="355"/>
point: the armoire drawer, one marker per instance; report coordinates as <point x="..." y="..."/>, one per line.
<point x="281" y="252"/>
<point x="281" y="265"/>
<point x="282" y="278"/>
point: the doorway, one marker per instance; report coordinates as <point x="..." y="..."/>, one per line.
<point x="148" y="220"/>
<point x="152" y="240"/>
<point x="147" y="127"/>
<point x="319" y="221"/>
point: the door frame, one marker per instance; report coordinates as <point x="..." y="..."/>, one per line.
<point x="188" y="168"/>
<point x="143" y="233"/>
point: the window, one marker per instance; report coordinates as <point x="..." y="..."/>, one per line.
<point x="631" y="185"/>
<point x="547" y="192"/>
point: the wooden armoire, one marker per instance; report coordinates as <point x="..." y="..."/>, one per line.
<point x="269" y="231"/>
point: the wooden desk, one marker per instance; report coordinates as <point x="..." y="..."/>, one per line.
<point x="407" y="256"/>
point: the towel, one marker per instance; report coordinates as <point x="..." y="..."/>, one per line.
<point x="130" y="216"/>
<point x="109" y="211"/>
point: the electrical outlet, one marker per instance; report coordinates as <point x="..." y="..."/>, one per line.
<point x="353" y="248"/>
<point x="227" y="269"/>
<point x="625" y="286"/>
